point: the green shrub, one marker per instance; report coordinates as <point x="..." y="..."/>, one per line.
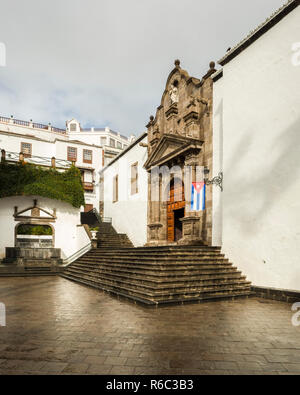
<point x="34" y="230"/>
<point x="28" y="179"/>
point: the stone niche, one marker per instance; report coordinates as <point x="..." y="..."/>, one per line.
<point x="33" y="250"/>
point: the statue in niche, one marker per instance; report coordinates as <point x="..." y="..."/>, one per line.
<point x="173" y="92"/>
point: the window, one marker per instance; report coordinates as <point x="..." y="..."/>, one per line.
<point x="134" y="178"/>
<point x="72" y="154"/>
<point x="119" y="145"/>
<point x="73" y="127"/>
<point x="26" y="149"/>
<point x="87" y="156"/>
<point x="103" y="140"/>
<point x="112" y="143"/>
<point x="115" y="189"/>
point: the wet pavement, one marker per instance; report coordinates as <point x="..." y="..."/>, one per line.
<point x="54" y="326"/>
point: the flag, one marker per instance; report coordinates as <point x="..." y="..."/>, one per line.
<point x="198" y="196"/>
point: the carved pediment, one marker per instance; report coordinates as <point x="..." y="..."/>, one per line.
<point x="169" y="147"/>
<point x="34" y="213"/>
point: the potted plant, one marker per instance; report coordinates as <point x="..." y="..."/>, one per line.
<point x="94" y="232"/>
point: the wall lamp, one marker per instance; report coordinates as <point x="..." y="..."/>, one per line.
<point x="217" y="180"/>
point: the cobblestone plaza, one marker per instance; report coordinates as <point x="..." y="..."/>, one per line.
<point x="54" y="326"/>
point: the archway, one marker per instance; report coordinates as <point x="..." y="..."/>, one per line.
<point x="34" y="235"/>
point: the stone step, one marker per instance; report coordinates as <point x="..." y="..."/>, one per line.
<point x="171" y="249"/>
<point x="156" y="260"/>
<point x="161" y="283"/>
<point x="162" y="256"/>
<point x="158" y="268"/>
<point x="166" y="277"/>
<point x="156" y="275"/>
<point x="158" y="265"/>
<point x="153" y="292"/>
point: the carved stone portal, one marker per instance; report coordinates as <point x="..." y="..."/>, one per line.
<point x="180" y="135"/>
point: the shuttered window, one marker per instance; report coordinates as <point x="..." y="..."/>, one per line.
<point x="115" y="189"/>
<point x="134" y="178"/>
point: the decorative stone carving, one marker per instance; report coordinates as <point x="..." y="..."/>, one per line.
<point x="173" y="92"/>
<point x="180" y="134"/>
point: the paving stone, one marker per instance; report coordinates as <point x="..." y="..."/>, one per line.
<point x="76" y="368"/>
<point x="94" y="359"/>
<point x="99" y="369"/>
<point x="115" y="361"/>
<point x="54" y="367"/>
<point x="122" y="370"/>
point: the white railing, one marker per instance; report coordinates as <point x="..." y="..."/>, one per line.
<point x="35" y="160"/>
<point x="77" y="254"/>
<point x="30" y="124"/>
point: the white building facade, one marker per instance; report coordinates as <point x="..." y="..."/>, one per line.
<point x="111" y="142"/>
<point x="68" y="233"/>
<point x="89" y="150"/>
<point x="125" y="191"/>
<point x="256" y="130"/>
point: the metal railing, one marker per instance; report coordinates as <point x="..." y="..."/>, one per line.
<point x="107" y="220"/>
<point x="31" y="124"/>
<point x="77" y="254"/>
<point x="34" y="159"/>
<point x="95" y="211"/>
<point x="21" y="123"/>
<point x="4" y="119"/>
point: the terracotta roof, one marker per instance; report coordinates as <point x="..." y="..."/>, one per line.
<point x="259" y="31"/>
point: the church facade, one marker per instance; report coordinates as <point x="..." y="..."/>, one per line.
<point x="179" y="155"/>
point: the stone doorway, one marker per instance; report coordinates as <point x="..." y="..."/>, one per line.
<point x="178" y="214"/>
<point x="175" y="211"/>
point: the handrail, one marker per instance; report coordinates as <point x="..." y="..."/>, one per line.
<point x="38" y="160"/>
<point x="107" y="220"/>
<point x="77" y="254"/>
<point x="95" y="211"/>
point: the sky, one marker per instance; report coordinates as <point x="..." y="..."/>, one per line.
<point x="105" y="62"/>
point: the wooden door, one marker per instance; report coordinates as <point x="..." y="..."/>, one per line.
<point x="88" y="207"/>
<point x="173" y="205"/>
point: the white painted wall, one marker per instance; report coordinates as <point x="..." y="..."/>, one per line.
<point x="129" y="213"/>
<point x="256" y="144"/>
<point x="58" y="148"/>
<point x="69" y="236"/>
<point x="46" y="134"/>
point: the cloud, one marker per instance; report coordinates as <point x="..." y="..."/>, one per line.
<point x="105" y="62"/>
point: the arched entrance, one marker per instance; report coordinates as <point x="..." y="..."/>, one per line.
<point x="29" y="235"/>
<point x="175" y="210"/>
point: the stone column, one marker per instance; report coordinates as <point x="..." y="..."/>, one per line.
<point x="154" y="224"/>
<point x="192" y="221"/>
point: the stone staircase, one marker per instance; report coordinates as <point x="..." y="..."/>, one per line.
<point x="107" y="237"/>
<point x="160" y="275"/>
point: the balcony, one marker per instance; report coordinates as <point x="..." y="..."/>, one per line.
<point x="88" y="186"/>
<point x="30" y="124"/>
<point x="11" y="157"/>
